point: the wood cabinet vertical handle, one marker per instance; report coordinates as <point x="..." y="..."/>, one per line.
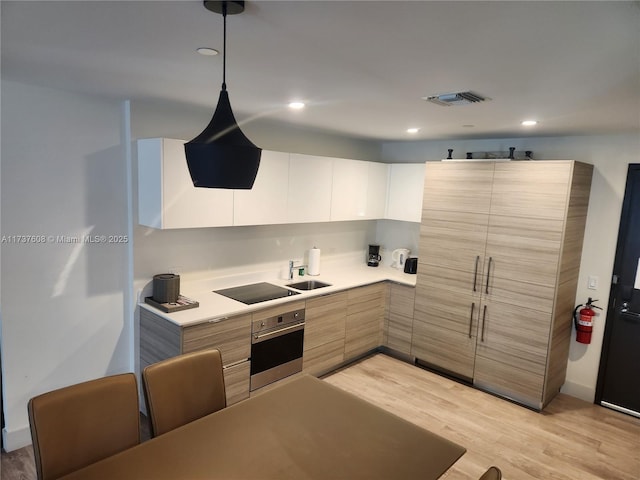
<point x="473" y="307"/>
<point x="484" y="316"/>
<point x="486" y="290"/>
<point x="475" y="274"/>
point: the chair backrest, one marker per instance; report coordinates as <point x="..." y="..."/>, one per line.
<point x="182" y="389"/>
<point x="75" y="426"/>
<point x="493" y="473"/>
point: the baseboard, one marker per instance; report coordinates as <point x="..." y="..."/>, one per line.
<point x="583" y="392"/>
<point x="15" y="439"/>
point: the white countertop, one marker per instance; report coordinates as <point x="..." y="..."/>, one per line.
<point x="214" y="306"/>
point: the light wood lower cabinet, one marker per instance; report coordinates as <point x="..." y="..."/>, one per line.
<point x="236" y="381"/>
<point x="161" y="339"/>
<point x="365" y="319"/>
<point x="399" y="320"/>
<point x="339" y="327"/>
<point x="324" y="332"/>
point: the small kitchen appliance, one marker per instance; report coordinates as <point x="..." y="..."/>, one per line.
<point x="373" y="259"/>
<point x="399" y="257"/>
<point x="411" y="265"/>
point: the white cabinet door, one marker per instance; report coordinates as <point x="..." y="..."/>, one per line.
<point x="377" y="179"/>
<point x="266" y="202"/>
<point x="406" y="187"/>
<point x="166" y="195"/>
<point x="309" y="198"/>
<point x="349" y="190"/>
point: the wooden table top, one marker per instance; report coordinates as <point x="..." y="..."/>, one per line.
<point x="304" y="429"/>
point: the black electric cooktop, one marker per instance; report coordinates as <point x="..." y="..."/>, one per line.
<point x="256" y="292"/>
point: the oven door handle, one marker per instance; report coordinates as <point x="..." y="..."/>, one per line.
<point x="282" y="331"/>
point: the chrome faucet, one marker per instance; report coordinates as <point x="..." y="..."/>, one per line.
<point x="292" y="267"/>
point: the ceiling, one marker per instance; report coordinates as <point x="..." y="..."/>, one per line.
<point x="362" y="67"/>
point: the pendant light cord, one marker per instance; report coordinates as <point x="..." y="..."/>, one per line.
<point x="224" y="46"/>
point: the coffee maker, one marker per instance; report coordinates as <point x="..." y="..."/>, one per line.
<point x="373" y="259"/>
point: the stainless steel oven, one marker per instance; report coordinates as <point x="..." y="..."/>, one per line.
<point x="276" y="347"/>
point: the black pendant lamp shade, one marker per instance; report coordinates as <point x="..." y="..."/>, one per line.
<point x="222" y="156"/>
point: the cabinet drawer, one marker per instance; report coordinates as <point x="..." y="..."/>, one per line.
<point x="236" y="381"/>
<point x="232" y="336"/>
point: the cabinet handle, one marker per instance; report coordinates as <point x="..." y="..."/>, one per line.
<point x="486" y="290"/>
<point x="473" y="306"/>
<point x="475" y="274"/>
<point x="216" y="320"/>
<point x="484" y="316"/>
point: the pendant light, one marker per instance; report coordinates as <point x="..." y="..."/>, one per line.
<point x="222" y="156"/>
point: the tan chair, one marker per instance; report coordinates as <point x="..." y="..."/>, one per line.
<point x="182" y="389"/>
<point x="493" y="473"/>
<point x="75" y="426"/>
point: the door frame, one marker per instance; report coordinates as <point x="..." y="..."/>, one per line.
<point x="623" y="230"/>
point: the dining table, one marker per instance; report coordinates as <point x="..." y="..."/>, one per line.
<point x="304" y="428"/>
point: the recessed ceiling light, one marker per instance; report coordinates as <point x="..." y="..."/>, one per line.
<point x="529" y="123"/>
<point x="468" y="125"/>
<point x="296" y="105"/>
<point x="207" y="51"/>
<point x="413" y="130"/>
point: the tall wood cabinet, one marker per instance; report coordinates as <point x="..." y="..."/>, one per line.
<point x="500" y="247"/>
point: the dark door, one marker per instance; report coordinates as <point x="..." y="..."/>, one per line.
<point x="618" y="386"/>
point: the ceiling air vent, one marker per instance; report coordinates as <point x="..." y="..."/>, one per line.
<point x="459" y="98"/>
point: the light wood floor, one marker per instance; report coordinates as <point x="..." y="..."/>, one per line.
<point x="570" y="440"/>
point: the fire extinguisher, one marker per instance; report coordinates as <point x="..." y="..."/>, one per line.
<point x="583" y="321"/>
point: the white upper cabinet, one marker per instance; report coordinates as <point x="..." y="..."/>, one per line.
<point x="309" y="197"/>
<point x="166" y="195"/>
<point x="406" y="187"/>
<point x="289" y="188"/>
<point x="349" y="190"/>
<point x="266" y="202"/>
<point x="359" y="190"/>
<point x="377" y="179"/>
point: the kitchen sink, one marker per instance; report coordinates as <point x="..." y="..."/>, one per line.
<point x="308" y="285"/>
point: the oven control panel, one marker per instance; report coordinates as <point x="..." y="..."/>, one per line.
<point x="277" y="321"/>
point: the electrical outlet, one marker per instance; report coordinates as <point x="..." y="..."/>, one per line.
<point x="592" y="283"/>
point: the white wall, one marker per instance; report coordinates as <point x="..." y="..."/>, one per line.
<point x="63" y="316"/>
<point x="610" y="155"/>
<point x="156" y="119"/>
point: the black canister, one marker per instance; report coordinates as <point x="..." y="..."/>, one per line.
<point x="166" y="287"/>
